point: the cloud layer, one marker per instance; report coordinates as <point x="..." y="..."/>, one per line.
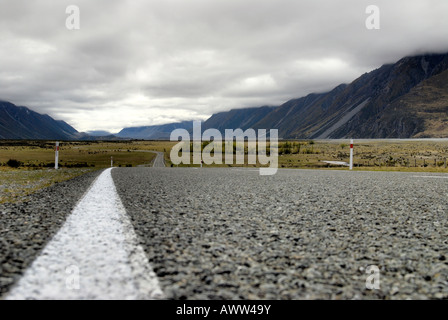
<point x="138" y="62"/>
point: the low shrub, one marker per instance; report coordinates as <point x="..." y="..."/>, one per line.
<point x="14" y="163"/>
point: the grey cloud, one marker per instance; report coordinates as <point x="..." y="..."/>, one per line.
<point x="149" y="62"/>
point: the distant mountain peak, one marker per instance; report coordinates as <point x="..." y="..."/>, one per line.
<point x="19" y="122"/>
<point x="375" y="105"/>
<point x="405" y="99"/>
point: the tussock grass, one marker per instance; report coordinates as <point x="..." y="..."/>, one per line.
<point x="17" y="184"/>
<point x="36" y="154"/>
<point x="79" y="157"/>
<point x="372" y="155"/>
<point x="75" y="158"/>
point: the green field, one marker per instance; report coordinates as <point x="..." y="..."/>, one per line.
<point x="38" y="154"/>
<point x="384" y="155"/>
<point x="387" y="155"/>
<point x="16" y="185"/>
<point x="35" y="159"/>
<point x="416" y="155"/>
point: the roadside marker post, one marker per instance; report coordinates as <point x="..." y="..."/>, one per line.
<point x="111" y="162"/>
<point x="351" y="154"/>
<point x="56" y="156"/>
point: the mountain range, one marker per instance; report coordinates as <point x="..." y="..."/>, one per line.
<point x="158" y="132"/>
<point x="23" y="123"/>
<point x="17" y="122"/>
<point x="406" y="99"/>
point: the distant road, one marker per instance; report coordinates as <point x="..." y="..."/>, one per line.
<point x="159" y="161"/>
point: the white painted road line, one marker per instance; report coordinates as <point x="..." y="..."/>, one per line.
<point x="95" y="255"/>
<point x="245" y="169"/>
<point x="159" y="161"/>
<point x="434" y="177"/>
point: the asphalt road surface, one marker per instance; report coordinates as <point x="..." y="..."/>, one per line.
<point x="159" y="160"/>
<point x="233" y="234"/>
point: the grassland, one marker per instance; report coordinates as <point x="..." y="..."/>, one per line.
<point x="38" y="154"/>
<point x="36" y="162"/>
<point x="414" y="155"/>
<point x="36" y="158"/>
<point x="16" y="185"/>
<point x="384" y="155"/>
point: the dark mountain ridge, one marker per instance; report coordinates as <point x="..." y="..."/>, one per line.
<point x="364" y="108"/>
<point x="406" y="99"/>
<point x="23" y="123"/>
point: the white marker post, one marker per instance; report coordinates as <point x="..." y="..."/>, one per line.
<point x="351" y="154"/>
<point x="56" y="156"/>
<point x="111" y="162"/>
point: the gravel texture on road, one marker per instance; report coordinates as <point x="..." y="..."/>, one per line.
<point x="26" y="227"/>
<point x="159" y="160"/>
<point x="94" y="256"/>
<point x="300" y="234"/>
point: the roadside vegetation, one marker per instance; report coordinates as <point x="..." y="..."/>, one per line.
<point x="74" y="154"/>
<point x="394" y="155"/>
<point x="373" y="155"/>
<point x="16" y="185"/>
<point x="27" y="166"/>
<point x="384" y="155"/>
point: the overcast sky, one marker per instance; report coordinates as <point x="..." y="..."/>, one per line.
<point x="135" y="62"/>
